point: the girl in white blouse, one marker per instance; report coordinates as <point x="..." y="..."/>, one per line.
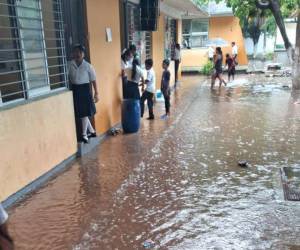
<point x="82" y="75"/>
<point x="135" y="75"/>
<point x="125" y="63"/>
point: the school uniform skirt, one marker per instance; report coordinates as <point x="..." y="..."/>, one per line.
<point x="124" y="84"/>
<point x="177" y="62"/>
<point x="84" y="104"/>
<point x="132" y="91"/>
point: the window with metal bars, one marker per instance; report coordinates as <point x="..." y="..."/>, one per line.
<point x="170" y="37"/>
<point x="133" y="24"/>
<point x="32" y="51"/>
<point x="142" y="39"/>
<point x="194" y="33"/>
<point x="148" y="44"/>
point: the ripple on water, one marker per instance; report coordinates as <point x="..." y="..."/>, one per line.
<point x="178" y="182"/>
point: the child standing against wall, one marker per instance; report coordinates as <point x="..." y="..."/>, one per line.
<point x="149" y="91"/>
<point x="165" y="85"/>
<point x="82" y="76"/>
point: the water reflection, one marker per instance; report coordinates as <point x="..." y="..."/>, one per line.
<point x="177" y="182"/>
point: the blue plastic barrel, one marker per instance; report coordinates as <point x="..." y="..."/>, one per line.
<point x="131" y="115"/>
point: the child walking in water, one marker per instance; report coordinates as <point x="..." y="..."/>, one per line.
<point x="150" y="90"/>
<point x="218" y="60"/>
<point x="165" y="85"/>
<point x="230" y="62"/>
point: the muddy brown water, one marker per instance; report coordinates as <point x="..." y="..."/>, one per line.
<point x="178" y="182"/>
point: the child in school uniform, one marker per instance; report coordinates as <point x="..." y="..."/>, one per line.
<point x="230" y="62"/>
<point x="125" y="63"/>
<point x="165" y="85"/>
<point x="135" y="75"/>
<point x="149" y="92"/>
<point x="82" y="75"/>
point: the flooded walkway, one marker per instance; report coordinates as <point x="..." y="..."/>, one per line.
<point x="177" y="182"/>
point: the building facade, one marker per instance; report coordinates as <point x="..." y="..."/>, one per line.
<point x="218" y="23"/>
<point x="37" y="128"/>
<point x="37" y="123"/>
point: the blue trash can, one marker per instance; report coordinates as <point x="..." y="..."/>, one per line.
<point x="131" y="115"/>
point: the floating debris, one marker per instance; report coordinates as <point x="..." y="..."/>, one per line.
<point x="243" y="164"/>
<point x="164" y="117"/>
<point x="148" y="244"/>
<point x="114" y="131"/>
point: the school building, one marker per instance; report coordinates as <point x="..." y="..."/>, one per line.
<point x="37" y="123"/>
<point x="219" y="23"/>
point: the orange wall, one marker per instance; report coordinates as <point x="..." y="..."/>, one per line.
<point x="158" y="48"/>
<point x="193" y="59"/>
<point x="34" y="138"/>
<point x="229" y="29"/>
<point x="106" y="58"/>
<point x="158" y="40"/>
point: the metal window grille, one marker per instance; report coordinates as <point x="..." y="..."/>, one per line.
<point x="170" y="37"/>
<point x="133" y="23"/>
<point x="148" y="40"/>
<point x="142" y="39"/>
<point x="195" y="33"/>
<point x="32" y="49"/>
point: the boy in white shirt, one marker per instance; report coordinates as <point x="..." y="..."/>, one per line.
<point x="234" y="50"/>
<point x="149" y="93"/>
<point x="211" y="53"/>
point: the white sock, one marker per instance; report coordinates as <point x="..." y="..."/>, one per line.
<point x="90" y="127"/>
<point x="85" y="122"/>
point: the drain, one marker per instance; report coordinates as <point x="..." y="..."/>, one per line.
<point x="290" y="178"/>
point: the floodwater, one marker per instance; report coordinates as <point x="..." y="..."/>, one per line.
<point x="177" y="182"/>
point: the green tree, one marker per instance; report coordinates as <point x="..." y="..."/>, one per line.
<point x="253" y="25"/>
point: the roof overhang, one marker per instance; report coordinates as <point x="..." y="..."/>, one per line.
<point x="182" y="9"/>
<point x="222" y="14"/>
<point x="219" y="9"/>
<point x="134" y="1"/>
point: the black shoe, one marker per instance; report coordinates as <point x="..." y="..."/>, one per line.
<point x="92" y="135"/>
<point x="85" y="140"/>
<point x="150" y="118"/>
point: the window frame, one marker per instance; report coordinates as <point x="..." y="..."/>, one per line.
<point x="170" y="37"/>
<point x="192" y="34"/>
<point x="133" y="33"/>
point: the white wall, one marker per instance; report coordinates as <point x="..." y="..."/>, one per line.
<point x="291" y="28"/>
<point x="260" y="46"/>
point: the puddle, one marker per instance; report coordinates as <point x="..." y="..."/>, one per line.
<point x="178" y="182"/>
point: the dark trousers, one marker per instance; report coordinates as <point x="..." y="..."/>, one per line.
<point x="124" y="85"/>
<point x="177" y="62"/>
<point x="131" y="90"/>
<point x="231" y="72"/>
<point x="149" y="97"/>
<point x="167" y="98"/>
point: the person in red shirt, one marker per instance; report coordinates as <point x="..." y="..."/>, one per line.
<point x="230" y="63"/>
